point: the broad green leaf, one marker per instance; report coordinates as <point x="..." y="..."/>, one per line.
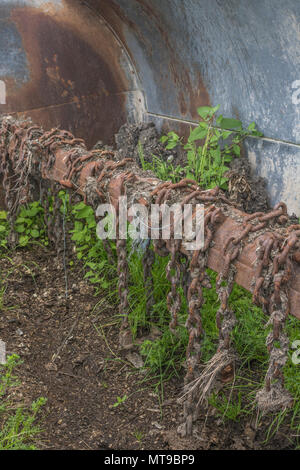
<point x="226" y="134"/>
<point x="84" y="213"/>
<point x="203" y="124"/>
<point x="216" y="153"/>
<point x="23" y="240"/>
<point x="34" y="233"/>
<point x="20" y="220"/>
<point x="171" y="145"/>
<point x="94" y="280"/>
<point x="204" y="111"/>
<point x="172" y="135"/>
<point x="77" y="237"/>
<point x="197" y="134"/>
<point x="78" y="207"/>
<point x="219" y="119"/>
<point x="190" y="175"/>
<point x="20" y="228"/>
<point x="224" y="183"/>
<point x="215" y="108"/>
<point x="252" y="126"/>
<point x="91" y="223"/>
<point x="88" y="274"/>
<point x="237" y="150"/>
<point x="32" y="212"/>
<point x="92" y="265"/>
<point x="78" y="226"/>
<point x="230" y="123"/>
<point x="213" y="140"/>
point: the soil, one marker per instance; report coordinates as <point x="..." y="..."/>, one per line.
<point x="75" y="363"/>
<point x="246" y="190"/>
<point x="128" y="138"/>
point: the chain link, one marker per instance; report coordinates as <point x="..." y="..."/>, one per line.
<point x="29" y="154"/>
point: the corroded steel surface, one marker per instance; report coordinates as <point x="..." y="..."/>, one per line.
<point x="90" y="65"/>
<point x="65" y="67"/>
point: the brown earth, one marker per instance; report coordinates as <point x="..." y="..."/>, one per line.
<point x="75" y="363"/>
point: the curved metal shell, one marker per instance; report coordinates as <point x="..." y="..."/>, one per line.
<point x="89" y="65"/>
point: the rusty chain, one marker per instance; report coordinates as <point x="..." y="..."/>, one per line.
<point x="21" y="145"/>
<point x="148" y="261"/>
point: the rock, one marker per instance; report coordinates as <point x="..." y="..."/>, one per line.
<point x="157" y="425"/>
<point x="125" y="339"/>
<point x="135" y="359"/>
<point x="238" y="444"/>
<point x="79" y="360"/>
<point x="250" y="433"/>
<point x="51" y="366"/>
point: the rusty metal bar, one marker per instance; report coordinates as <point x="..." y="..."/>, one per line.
<point x="100" y="177"/>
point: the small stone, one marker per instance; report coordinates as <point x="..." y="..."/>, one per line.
<point x="125" y="339"/>
<point x="157" y="425"/>
<point x="51" y="366"/>
<point x="250" y="432"/>
<point x="135" y="359"/>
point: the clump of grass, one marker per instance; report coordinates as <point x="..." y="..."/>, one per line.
<point x="18" y="424"/>
<point x="99" y="269"/>
<point x="4" y="230"/>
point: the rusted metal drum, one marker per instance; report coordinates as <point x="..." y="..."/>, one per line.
<point x="63" y="66"/>
<point x="90" y="65"/>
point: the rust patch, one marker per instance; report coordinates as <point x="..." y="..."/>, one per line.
<point x="75" y="65"/>
<point x="198" y="96"/>
<point x="61" y="62"/>
<point x="190" y="96"/>
<point x="90" y="118"/>
<point x="183" y="105"/>
<point x="74" y="58"/>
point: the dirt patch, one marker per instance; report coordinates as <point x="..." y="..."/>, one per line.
<point x="75" y="363"/>
<point x="132" y="138"/>
<point x="247" y="191"/>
